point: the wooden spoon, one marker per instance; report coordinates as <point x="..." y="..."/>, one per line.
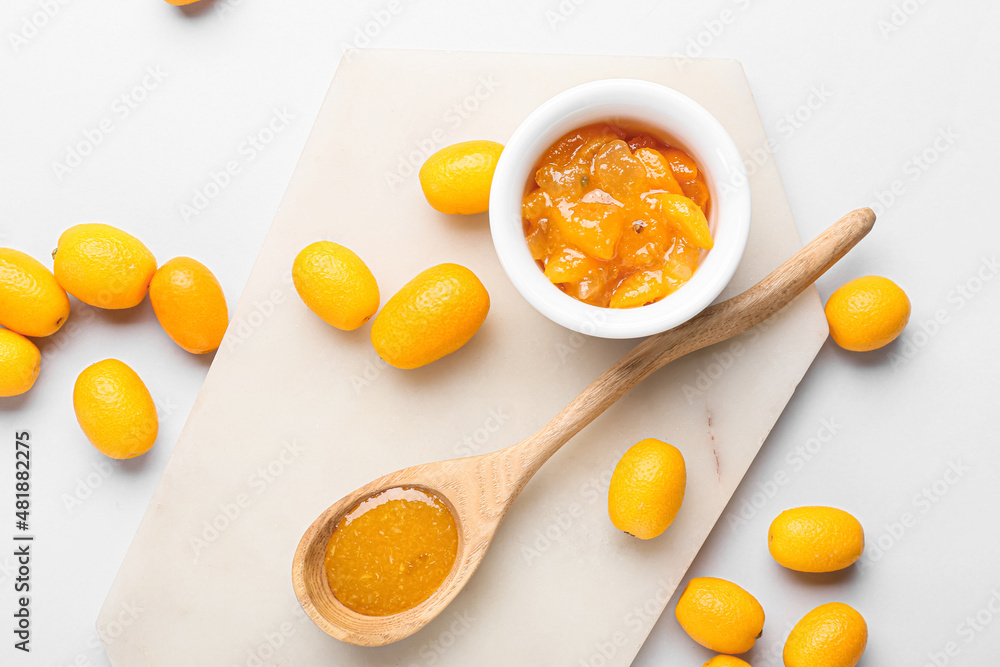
<point x="479" y="490"/>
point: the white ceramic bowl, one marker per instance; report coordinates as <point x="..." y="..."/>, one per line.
<point x="673" y="117"/>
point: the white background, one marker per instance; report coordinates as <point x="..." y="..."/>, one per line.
<point x="857" y="96"/>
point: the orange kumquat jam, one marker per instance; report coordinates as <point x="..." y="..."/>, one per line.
<point x="616" y="220"/>
<point x="391" y="552"/>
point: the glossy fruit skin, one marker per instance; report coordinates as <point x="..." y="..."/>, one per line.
<point x="115" y="410"/>
<point x="182" y="2"/>
<point x="647" y="488"/>
<point x="335" y="284"/>
<point x="867" y="313"/>
<point x="726" y="661"/>
<point x="103" y="266"/>
<point x="431" y="316"/>
<point x="31" y="301"/>
<point x="720" y="615"/>
<point x="457" y="178"/>
<point x="20" y="362"/>
<point x="831" y="635"/>
<point x="189" y="304"/>
<point x="815" y="539"/>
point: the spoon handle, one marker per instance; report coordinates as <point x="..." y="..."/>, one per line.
<point x="714" y="324"/>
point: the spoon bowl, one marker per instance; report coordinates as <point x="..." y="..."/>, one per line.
<point x="479" y="490"/>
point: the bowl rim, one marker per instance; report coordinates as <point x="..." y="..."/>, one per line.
<point x="665" y="111"/>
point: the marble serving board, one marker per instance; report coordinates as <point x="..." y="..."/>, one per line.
<point x="294" y="414"/>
